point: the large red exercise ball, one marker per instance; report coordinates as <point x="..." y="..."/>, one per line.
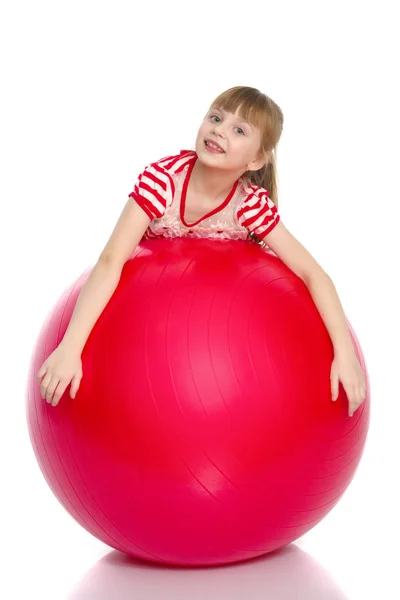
<point x="203" y="431"/>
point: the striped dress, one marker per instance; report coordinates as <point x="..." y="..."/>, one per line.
<point x="246" y="213"/>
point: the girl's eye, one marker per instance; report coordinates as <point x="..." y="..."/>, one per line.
<point x="216" y="117"/>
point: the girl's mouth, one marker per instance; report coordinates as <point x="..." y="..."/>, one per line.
<point x="212" y="148"/>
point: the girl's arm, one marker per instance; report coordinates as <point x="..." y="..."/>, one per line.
<point x="346" y="367"/>
<point x="105" y="276"/>
<point x="318" y="282"/>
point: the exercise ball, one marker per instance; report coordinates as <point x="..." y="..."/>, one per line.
<point x="203" y="431"/>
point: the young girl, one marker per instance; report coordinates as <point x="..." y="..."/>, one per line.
<point x="225" y="188"/>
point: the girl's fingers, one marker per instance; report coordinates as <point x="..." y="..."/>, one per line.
<point x="41" y="372"/>
<point x="51" y="388"/>
<point x="58" y="393"/>
<point x="43" y="386"/>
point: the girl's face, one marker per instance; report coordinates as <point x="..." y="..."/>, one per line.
<point x="239" y="140"/>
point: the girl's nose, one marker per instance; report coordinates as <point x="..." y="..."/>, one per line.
<point x="219" y="131"/>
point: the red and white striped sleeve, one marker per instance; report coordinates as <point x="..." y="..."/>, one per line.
<point x="154" y="190"/>
<point x="257" y="212"/>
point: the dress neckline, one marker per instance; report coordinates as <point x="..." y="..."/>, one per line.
<point x="183" y="198"/>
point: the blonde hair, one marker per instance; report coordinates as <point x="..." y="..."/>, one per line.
<point x="263" y="113"/>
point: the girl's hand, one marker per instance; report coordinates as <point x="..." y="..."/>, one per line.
<point x="347" y="369"/>
<point x="60" y="368"/>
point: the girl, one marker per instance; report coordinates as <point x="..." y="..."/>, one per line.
<point x="225" y="188"/>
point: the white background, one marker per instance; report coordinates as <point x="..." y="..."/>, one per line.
<point x="93" y="91"/>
